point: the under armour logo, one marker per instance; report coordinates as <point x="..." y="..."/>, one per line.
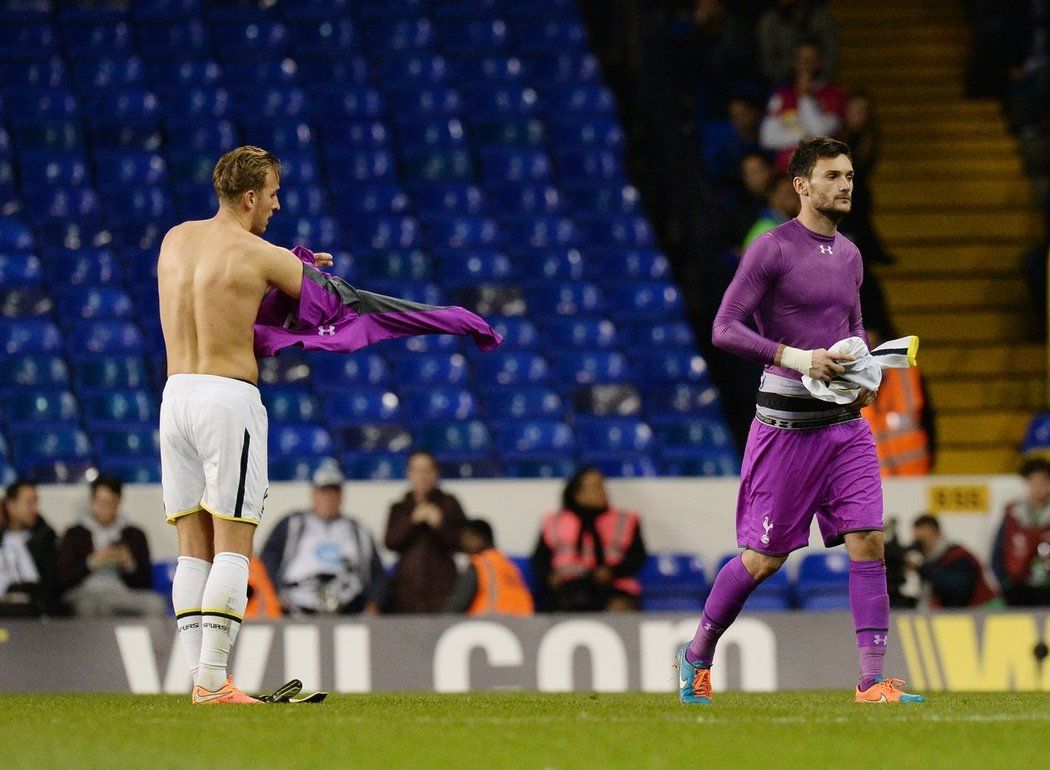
<point x="323" y="330"/>
<point x="767" y="526"/>
<point x="826" y="250"/>
<point x="709" y="626"/>
<point x="881" y="639"/>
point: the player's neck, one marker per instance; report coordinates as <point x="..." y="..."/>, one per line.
<point x="228" y="216"/>
<point x="816" y="222"/>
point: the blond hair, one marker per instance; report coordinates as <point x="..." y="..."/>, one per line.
<point x="241" y="170"/>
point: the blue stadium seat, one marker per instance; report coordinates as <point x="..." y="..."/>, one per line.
<point x="273" y="103"/>
<point x="331" y="37"/>
<point x="588" y="99"/>
<point x="523" y="402"/>
<point x="524" y="565"/>
<point x="118" y="407"/>
<point x="346" y="71"/>
<point x="673" y="582"/>
<point x="518" y="333"/>
<point x="385" y="38"/>
<point x="26" y="370"/>
<point x="422" y="344"/>
<point x="93" y="302"/>
<point x="621" y="231"/>
<point x="621" y="400"/>
<point x="586" y="367"/>
<point x="7" y="472"/>
<point x="199" y="103"/>
<point x="407" y="266"/>
<point x="528" y="439"/>
<point x="164" y="571"/>
<point x="670" y="365"/>
<point x="501" y="165"/>
<point x="27" y="105"/>
<point x="56" y="453"/>
<point x="37" y="133"/>
<point x="644" y="335"/>
<point x="592" y="165"/>
<point x="342" y="102"/>
<point x="461" y="232"/>
<point x="91" y="39"/>
<point x="375" y="437"/>
<point x="584" y="333"/>
<point x="41" y="406"/>
<point x="299" y="440"/>
<point x="322" y="233"/>
<point x="470" y="267"/>
<point x="440" y="132"/>
<point x="290" y="403"/>
<point x="701" y="461"/>
<point x="437" y="165"/>
<point x="450" y="197"/>
<point x="280" y="133"/>
<point x="586" y="131"/>
<point x="293" y="468"/>
<point x="566" y="67"/>
<point x="127" y="440"/>
<point x="304" y="201"/>
<point x="41" y="71"/>
<point x="363" y="403"/>
<point x="552" y="466"/>
<point x="25" y="303"/>
<point x="331" y="372"/>
<point x="434" y="369"/>
<point x="678" y="433"/>
<point x="29" y="336"/>
<point x="374" y="466"/>
<point x="253" y="40"/>
<point x="540" y="232"/>
<point x="502" y="368"/>
<point x="419" y="70"/>
<point x="476" y="465"/>
<point x="683" y="398"/>
<point x="548" y="36"/>
<point x="439" y="403"/>
<point x="108" y="72"/>
<point x="618" y="465"/>
<point x="1037" y="437"/>
<point x="370" y="199"/>
<point x="83" y="268"/>
<point x="493" y="70"/>
<point x="475" y="37"/>
<point x="512" y="131"/>
<point x="606" y="197"/>
<point x="625" y="435"/>
<point x="21" y="271"/>
<point x="516" y="198"/>
<point x="569" y="298"/>
<point x="110" y="336"/>
<point x="823" y="581"/>
<point x="455" y="442"/>
<point x="132" y="469"/>
<point x="119" y="168"/>
<point x="165" y="76"/>
<point x="434" y="102"/>
<point x="318" y="10"/>
<point x="128" y="117"/>
<point x="41" y="170"/>
<point x="362" y="165"/>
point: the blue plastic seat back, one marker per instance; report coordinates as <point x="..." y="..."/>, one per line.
<point x="127" y="440"/>
<point x="33" y="335"/>
<point x="252" y="40"/>
<point x="118" y="407"/>
<point x="643" y="335"/>
<point x="290" y="403"/>
<point x="568" y="298"/>
<point x="689" y="433"/>
<point x="701" y="461"/>
<point x="670" y="366"/>
<point x="20" y="271"/>
<point x="109" y="336"/>
<point x="584" y="333"/>
<point x="435" y="369"/>
<point x="441" y="403"/>
<point x="133" y="469"/>
<point x="33" y="371"/>
<point x="587" y="367"/>
<point x="468" y="438"/>
<point x="451" y="198"/>
<point x="299" y="440"/>
<point x="375" y="466"/>
<point x="363" y="403"/>
<point x="613" y="434"/>
<point x="43" y="406"/>
<point x="615" y="464"/>
<point x="518" y="438"/>
<point x="523" y="402"/>
<point x="376" y="437"/>
<point x="85" y="303"/>
<point x="330" y="373"/>
<point x="529" y="198"/>
<point x="499" y="369"/>
<point x="546" y="466"/>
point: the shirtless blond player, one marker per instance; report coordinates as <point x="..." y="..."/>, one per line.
<point x="212" y="277"/>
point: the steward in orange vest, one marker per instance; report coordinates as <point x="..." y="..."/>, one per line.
<point x="589" y="554"/>
<point x="896" y="423"/>
<point x="263" y="603"/>
<point x="492" y="584"/>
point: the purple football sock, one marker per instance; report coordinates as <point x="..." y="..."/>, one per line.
<point x="733" y="585"/>
<point x="870" y="603"/>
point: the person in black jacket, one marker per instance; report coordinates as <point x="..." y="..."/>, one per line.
<point x="104" y="564"/>
<point x="951" y="574"/>
<point x="28" y="556"/>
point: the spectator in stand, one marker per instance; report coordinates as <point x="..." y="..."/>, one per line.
<point x="589" y="553"/>
<point x="783" y="27"/>
<point x="862" y="135"/>
<point x="808" y="106"/>
<point x="717" y="47"/>
<point x="744" y="202"/>
<point x="491" y="584"/>
<point x="424" y="529"/>
<point x="781" y="205"/>
<point x="728" y="142"/>
<point x="28" y="556"/>
<point x="951" y="575"/>
<point x="1021" y="554"/>
<point x="321" y="561"/>
<point x="104" y="565"/>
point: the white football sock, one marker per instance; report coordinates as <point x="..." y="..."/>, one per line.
<point x="223" y="603"/>
<point x="186" y="591"/>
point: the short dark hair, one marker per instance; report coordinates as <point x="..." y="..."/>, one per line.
<point x="16" y="486"/>
<point x="1033" y="465"/>
<point x="112" y="483"/>
<point x="810" y="150"/>
<point x="927" y="520"/>
<point x="572" y="486"/>
<point x="481" y="528"/>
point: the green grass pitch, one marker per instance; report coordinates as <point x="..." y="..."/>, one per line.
<point x="519" y="730"/>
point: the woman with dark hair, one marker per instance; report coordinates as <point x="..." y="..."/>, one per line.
<point x="424" y="529"/>
<point x="589" y="553"/>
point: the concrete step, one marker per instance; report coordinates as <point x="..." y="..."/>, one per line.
<point x="997" y="143"/>
<point x="961" y="128"/>
<point x="897" y="70"/>
<point x="951" y="225"/>
<point x="961" y="327"/>
<point x="993" y="360"/>
<point x="949" y="167"/>
<point x="1028" y="393"/>
<point x="906" y="38"/>
<point x="997" y="459"/>
<point x="871" y="57"/>
<point x="971" y="194"/>
<point x="918" y="93"/>
<point x="974" y="110"/>
<point x="904" y="293"/>
<point x="981" y="428"/>
<point x="915" y="256"/>
<point x="970" y="152"/>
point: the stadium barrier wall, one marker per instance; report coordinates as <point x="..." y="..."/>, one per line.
<point x="683" y="515"/>
<point x="606" y="653"/>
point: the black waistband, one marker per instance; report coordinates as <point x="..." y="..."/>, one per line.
<point x="808" y="423"/>
<point x="793" y="403"/>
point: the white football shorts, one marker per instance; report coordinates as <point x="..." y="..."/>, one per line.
<point x="213" y="448"/>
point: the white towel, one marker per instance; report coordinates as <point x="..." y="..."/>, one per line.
<point x="866" y="370"/>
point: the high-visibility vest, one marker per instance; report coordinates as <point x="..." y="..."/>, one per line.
<point x="896" y="424"/>
<point x="616" y="528"/>
<point x="1021" y="544"/>
<point x="262" y="599"/>
<point x="501" y="588"/>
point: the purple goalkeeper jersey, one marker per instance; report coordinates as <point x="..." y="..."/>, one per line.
<point x="330" y="314"/>
<point x="803" y="290"/>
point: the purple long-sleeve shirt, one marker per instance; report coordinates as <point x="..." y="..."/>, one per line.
<point x="330" y="314"/>
<point x="803" y="290"/>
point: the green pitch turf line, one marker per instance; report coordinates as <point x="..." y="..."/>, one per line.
<point x="528" y="730"/>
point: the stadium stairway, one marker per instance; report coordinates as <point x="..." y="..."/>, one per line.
<point x="954" y="206"/>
